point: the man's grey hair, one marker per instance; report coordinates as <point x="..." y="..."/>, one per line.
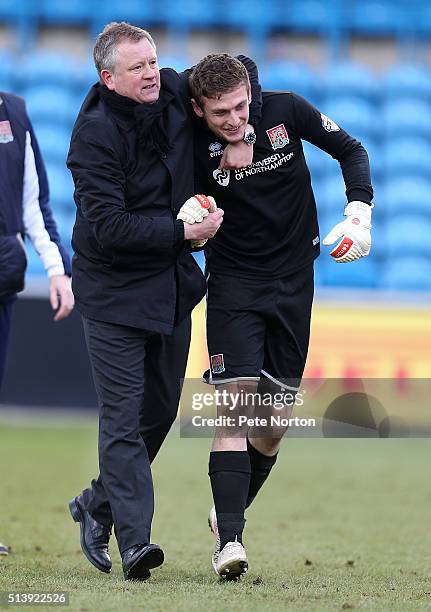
<point x="105" y="48"/>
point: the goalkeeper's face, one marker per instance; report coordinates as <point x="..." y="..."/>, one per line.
<point x="226" y="115"/>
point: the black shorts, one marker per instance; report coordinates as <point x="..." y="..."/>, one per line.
<point x="259" y="327"/>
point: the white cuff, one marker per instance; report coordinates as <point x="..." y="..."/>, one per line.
<point x="358" y="208"/>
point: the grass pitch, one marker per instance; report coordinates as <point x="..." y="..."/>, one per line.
<point x="341" y="524"/>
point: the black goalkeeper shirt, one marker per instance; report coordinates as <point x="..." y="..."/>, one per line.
<point x="270" y="226"/>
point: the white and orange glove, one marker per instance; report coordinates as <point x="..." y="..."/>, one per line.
<point x="354" y="232"/>
<point x="194" y="210"/>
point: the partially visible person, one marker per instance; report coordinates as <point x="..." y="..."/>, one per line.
<point x="25" y="211"/>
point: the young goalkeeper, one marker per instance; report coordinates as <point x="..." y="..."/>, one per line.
<point x="260" y="266"/>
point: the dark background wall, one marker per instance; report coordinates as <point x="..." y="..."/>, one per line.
<point x="47" y="362"/>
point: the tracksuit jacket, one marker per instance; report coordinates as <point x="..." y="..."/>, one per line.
<point x="24" y="201"/>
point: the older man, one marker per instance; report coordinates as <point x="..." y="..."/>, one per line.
<point x="135" y="279"/>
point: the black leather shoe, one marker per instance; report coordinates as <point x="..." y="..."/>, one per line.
<point x="94" y="536"/>
<point x="139" y="559"/>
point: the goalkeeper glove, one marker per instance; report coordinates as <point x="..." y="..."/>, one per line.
<point x="194" y="210"/>
<point x="198" y="244"/>
<point x="354" y="233"/>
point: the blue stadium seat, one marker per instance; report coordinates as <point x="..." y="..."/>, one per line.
<point x="410" y="156"/>
<point x="354" y="115"/>
<point x="21" y="15"/>
<point x="249" y="15"/>
<point x="363" y="273"/>
<point x="408" y="235"/>
<point x="328" y="219"/>
<point x="53" y="142"/>
<point x="408" y="195"/>
<point x="47" y="68"/>
<point x="142" y="13"/>
<point x="379" y="210"/>
<point x="178" y="63"/>
<point x="34" y="264"/>
<point x="407" y="81"/>
<point x="406" y="117"/>
<point x="310" y="16"/>
<point x="375" y="18"/>
<point x="50" y="104"/>
<point x="331" y="199"/>
<point x="7" y="73"/>
<point x="407" y="274"/>
<point x="72" y="12"/>
<point x="350" y="79"/>
<point x="65" y="219"/>
<point x="60" y="187"/>
<point x="200" y="259"/>
<point x="375" y="157"/>
<point x="193" y="13"/>
<point x="319" y="163"/>
<point x="288" y="76"/>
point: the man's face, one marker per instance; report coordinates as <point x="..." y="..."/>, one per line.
<point x="136" y="74"/>
<point x="226" y="116"/>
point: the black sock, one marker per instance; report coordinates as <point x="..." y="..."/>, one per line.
<point x="229" y="472"/>
<point x="261" y="466"/>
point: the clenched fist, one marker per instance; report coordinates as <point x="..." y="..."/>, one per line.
<point x="354" y="232"/>
<point x="195" y="209"/>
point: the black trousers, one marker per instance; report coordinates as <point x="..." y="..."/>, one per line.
<point x="138" y="378"/>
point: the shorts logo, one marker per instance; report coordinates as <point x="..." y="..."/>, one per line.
<point x="5" y="132"/>
<point x="278" y="136"/>
<point x="217" y="363"/>
<point x="328" y="124"/>
<point x="316" y="240"/>
<point x="222" y="177"/>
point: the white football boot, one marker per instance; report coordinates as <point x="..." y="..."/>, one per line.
<point x="212" y="523"/>
<point x="231" y="562"/>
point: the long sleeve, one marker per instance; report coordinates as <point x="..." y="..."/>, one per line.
<point x="39" y="224"/>
<point x="256" y="90"/>
<point x="100" y="192"/>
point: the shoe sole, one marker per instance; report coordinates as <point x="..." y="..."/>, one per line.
<point x="234" y="570"/>
<point x="141" y="569"/>
<point x="78" y="517"/>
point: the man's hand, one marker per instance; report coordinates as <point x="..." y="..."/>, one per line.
<point x="198" y="244"/>
<point x="206" y="229"/>
<point x="61" y="296"/>
<point x="195" y="209"/>
<point x="354" y="233"/>
<point x="237" y="155"/>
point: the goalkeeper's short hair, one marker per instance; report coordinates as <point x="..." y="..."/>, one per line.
<point x="215" y="75"/>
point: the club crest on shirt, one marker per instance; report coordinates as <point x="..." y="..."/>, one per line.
<point x="328" y="124"/>
<point x="217" y="363"/>
<point x="222" y="177"/>
<point x="5" y="132"/>
<point x="215" y="149"/>
<point x="278" y="136"/>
